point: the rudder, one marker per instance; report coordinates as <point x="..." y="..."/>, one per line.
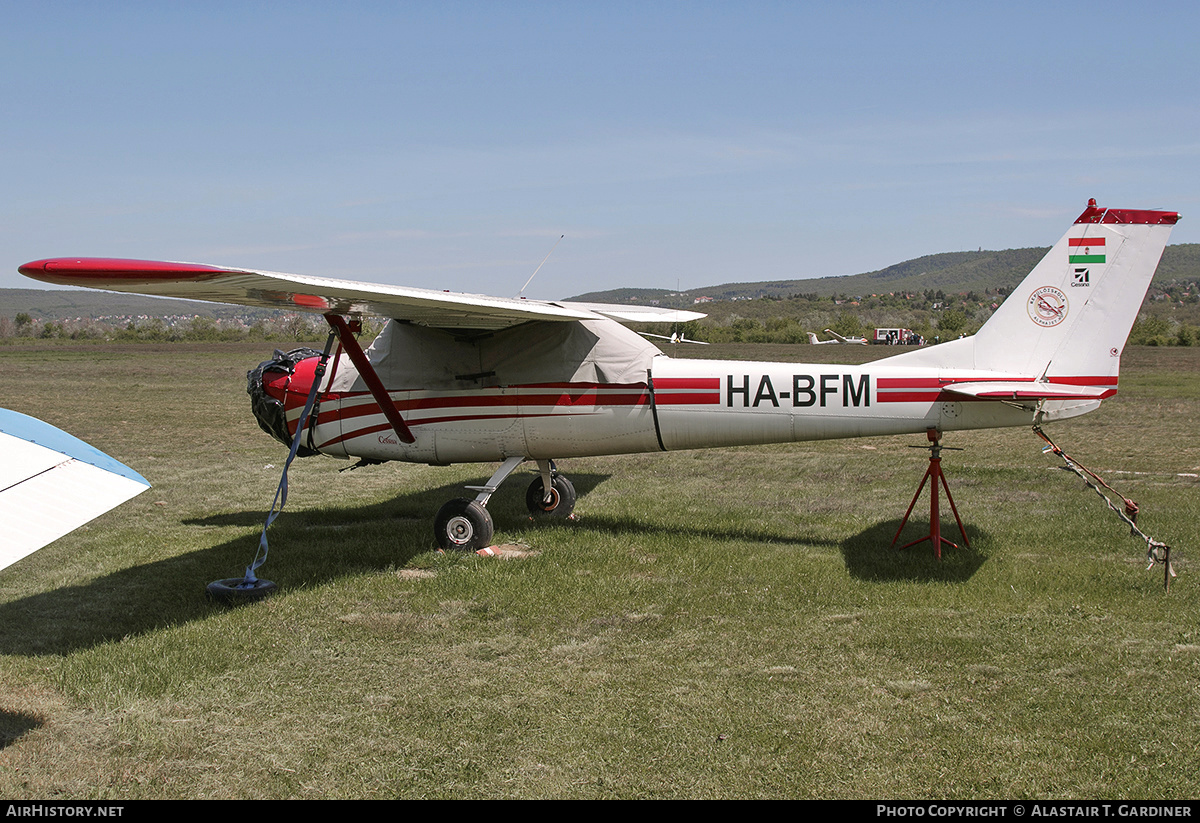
<point x="1070" y="317"/>
<point x="1068" y="320"/>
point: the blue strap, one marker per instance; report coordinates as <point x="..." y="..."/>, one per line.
<point x="281" y="493"/>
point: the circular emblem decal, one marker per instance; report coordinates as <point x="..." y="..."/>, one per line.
<point x="1047" y="306"/>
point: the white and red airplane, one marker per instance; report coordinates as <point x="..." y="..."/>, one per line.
<point x="457" y="378"/>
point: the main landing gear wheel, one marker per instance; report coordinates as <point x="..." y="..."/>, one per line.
<point x="463" y="526"/>
<point x="561" y="502"/>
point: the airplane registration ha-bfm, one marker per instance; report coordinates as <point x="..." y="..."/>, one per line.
<point x="457" y="378"/>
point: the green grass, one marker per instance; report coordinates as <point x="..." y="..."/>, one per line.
<point x="728" y="623"/>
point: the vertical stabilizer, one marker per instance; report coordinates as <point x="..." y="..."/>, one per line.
<point x="1069" y="318"/>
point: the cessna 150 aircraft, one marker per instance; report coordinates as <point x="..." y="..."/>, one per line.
<point x="466" y="378"/>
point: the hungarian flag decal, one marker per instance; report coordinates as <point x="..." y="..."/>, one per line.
<point x="1085" y="249"/>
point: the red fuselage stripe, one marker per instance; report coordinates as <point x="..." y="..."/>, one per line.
<point x="694" y="398"/>
<point x="668" y="383"/>
<point x="368" y="430"/>
<point x="586" y="402"/>
<point x="588" y="398"/>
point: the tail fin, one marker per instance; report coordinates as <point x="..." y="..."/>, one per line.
<point x="1069" y="319"/>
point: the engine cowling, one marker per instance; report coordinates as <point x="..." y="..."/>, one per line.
<point x="279" y="385"/>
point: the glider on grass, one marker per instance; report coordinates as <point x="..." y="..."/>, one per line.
<point x="850" y="341"/>
<point x="461" y="378"/>
<point x="837" y="338"/>
<point x="51" y="483"/>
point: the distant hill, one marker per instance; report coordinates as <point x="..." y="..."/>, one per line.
<point x="64" y="304"/>
<point x="951" y="272"/>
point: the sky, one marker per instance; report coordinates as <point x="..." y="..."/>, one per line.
<point x="449" y="145"/>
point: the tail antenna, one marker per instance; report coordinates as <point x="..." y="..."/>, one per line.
<point x="539" y="268"/>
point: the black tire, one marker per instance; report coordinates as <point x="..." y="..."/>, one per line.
<point x="463" y="526"/>
<point x="236" y="591"/>
<point x="562" y="498"/>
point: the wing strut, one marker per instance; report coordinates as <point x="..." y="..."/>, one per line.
<point x="360" y="361"/>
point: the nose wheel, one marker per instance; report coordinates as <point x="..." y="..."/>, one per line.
<point x="559" y="503"/>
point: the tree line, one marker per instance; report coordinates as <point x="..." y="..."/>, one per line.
<point x="1170" y="316"/>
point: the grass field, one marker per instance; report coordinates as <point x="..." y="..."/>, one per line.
<point x="728" y="623"/>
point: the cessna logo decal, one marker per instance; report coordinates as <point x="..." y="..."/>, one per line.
<point x="1047" y="306"/>
<point x="806" y="390"/>
<point x="1080" y="279"/>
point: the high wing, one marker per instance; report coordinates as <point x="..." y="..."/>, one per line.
<point x="320" y="295"/>
<point x="51" y="483"/>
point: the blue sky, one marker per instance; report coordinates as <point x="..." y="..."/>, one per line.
<point x="448" y="145"/>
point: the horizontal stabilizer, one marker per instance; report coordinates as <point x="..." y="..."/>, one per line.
<point x="1029" y="390"/>
<point x="51" y="483"/>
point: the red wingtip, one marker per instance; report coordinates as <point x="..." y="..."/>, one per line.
<point x="97" y="271"/>
<point x="34" y="269"/>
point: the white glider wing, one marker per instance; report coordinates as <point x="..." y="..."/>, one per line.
<point x="636" y="314"/>
<point x="51" y="483"/>
<point x="275" y="290"/>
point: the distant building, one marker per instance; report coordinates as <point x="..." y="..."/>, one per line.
<point x="897" y="337"/>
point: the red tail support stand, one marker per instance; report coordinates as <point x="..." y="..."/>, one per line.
<point x="935" y="523"/>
